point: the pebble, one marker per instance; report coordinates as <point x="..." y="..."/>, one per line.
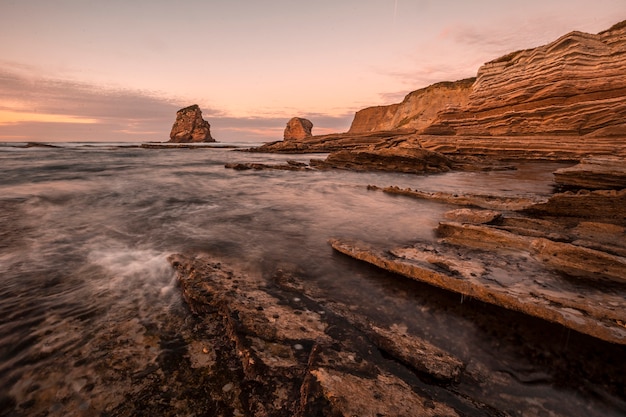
<point x="298" y="346"/>
<point x="228" y="387"/>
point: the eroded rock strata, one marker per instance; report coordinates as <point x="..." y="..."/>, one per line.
<point x="607" y="173"/>
<point x="511" y="283"/>
<point x="559" y="258"/>
<point x="573" y="86"/>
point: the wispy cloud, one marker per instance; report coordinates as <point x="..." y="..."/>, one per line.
<point x="45" y="109"/>
<point x="39" y="108"/>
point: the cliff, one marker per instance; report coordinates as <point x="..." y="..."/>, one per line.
<point x="562" y="101"/>
<point x="417" y="111"/>
<point x="575" y="85"/>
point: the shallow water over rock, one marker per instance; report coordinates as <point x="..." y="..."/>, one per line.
<point x="92" y="322"/>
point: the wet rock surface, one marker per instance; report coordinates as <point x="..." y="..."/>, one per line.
<point x="471" y="200"/>
<point x="559" y="258"/>
<point x="273" y="345"/>
<point x="288" y="166"/>
<point x="408" y="160"/>
<point x="297" y="357"/>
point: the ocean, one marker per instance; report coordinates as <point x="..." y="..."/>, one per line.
<point x="88" y="300"/>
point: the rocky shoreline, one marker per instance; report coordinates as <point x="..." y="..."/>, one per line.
<point x="292" y="352"/>
<point x="558" y="258"/>
<point x="558" y="261"/>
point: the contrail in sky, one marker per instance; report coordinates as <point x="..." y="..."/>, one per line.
<point x="395" y="11"/>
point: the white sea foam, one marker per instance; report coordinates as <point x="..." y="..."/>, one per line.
<point x="133" y="268"/>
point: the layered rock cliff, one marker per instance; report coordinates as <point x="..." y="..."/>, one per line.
<point x="562" y="101"/>
<point x="575" y="85"/>
<point x="190" y="126"/>
<point x="417" y="111"/>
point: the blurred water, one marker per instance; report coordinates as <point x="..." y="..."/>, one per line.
<point x="85" y="232"/>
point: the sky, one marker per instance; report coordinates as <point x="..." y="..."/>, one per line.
<point x="118" y="70"/>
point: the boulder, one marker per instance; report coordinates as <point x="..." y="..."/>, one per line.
<point x="298" y="129"/>
<point x="190" y="126"/>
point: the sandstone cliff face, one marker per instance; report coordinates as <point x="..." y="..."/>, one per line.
<point x="298" y="129"/>
<point x="575" y="85"/>
<point x="190" y="126"/>
<point x="418" y="109"/>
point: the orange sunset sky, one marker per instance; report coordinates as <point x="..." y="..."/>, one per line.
<point x="115" y="70"/>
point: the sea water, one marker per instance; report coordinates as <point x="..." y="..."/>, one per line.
<point x="85" y="230"/>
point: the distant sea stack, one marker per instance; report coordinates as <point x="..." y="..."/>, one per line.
<point x="298" y="129"/>
<point x="190" y="127"/>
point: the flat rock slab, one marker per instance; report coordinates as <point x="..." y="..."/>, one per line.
<point x="608" y="206"/>
<point x="289" y="166"/>
<point x="488" y="202"/>
<point x="298" y="358"/>
<point x="594" y="174"/>
<point x="510" y="279"/>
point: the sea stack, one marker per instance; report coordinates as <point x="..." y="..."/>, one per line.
<point x="190" y="127"/>
<point x="298" y="129"/>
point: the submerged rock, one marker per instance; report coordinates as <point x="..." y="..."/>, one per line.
<point x="190" y="126"/>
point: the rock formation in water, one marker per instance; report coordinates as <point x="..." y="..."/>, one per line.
<point x="298" y="129"/>
<point x="190" y="126"/>
<point x="561" y="258"/>
<point x="575" y="85"/>
<point x="417" y="111"/>
<point x="562" y="101"/>
<point x="408" y="160"/>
